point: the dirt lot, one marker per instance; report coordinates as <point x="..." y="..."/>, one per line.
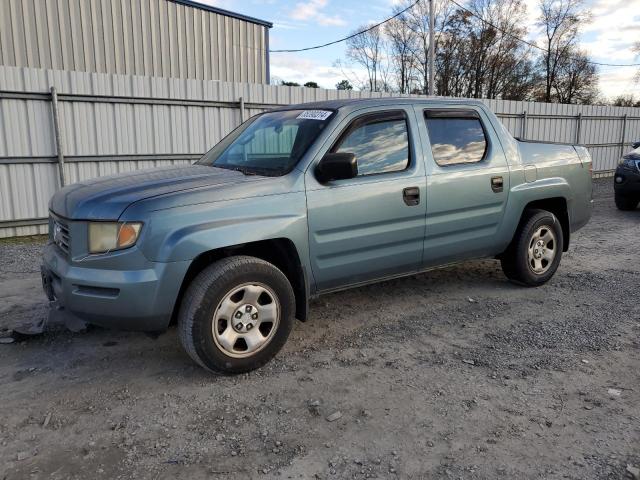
<point x="451" y="374"/>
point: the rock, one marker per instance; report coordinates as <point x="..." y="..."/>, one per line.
<point x="233" y="453"/>
<point x="314" y="407"/>
<point x="634" y="472"/>
<point x="614" y="392"/>
<point x="585" y="361"/>
<point x="470" y="362"/>
<point x="47" y="419"/>
<point x="22" y="456"/>
<point x="471" y="300"/>
<point x="7" y="340"/>
<point x="334" y="416"/>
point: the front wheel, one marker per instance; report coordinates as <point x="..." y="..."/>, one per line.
<point x="626" y="203"/>
<point x="236" y="315"/>
<point x="535" y="252"/>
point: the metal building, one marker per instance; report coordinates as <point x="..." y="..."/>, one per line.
<point x="160" y="38"/>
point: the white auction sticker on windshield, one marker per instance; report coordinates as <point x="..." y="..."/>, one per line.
<point x="315" y="115"/>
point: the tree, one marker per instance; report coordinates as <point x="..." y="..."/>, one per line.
<point x="417" y="20"/>
<point x="311" y="85"/>
<point x="344" y="85"/>
<point x="290" y="84"/>
<point x="636" y="50"/>
<point x="561" y="21"/>
<point x="576" y="80"/>
<point x="625" y="101"/>
<point x="483" y="58"/>
<point x="506" y="70"/>
<point x="367" y="50"/>
<point x="402" y="45"/>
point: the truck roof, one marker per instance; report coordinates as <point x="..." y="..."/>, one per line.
<point x="372" y="102"/>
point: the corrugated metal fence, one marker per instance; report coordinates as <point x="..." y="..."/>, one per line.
<point x="116" y="123"/>
<point x="163" y="38"/>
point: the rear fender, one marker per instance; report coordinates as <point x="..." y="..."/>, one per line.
<point x="526" y="193"/>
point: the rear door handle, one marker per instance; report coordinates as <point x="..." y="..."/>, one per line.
<point x="497" y="184"/>
<point x="411" y="196"/>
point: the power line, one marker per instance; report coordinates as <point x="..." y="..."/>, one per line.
<point x="531" y="44"/>
<point x="526" y="42"/>
<point x="372" y="27"/>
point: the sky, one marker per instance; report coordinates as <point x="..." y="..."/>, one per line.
<point x="607" y="38"/>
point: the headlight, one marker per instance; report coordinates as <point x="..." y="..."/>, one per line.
<point x="628" y="163"/>
<point x="109" y="236"/>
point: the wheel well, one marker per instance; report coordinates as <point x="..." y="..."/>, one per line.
<point x="281" y="252"/>
<point x="557" y="206"/>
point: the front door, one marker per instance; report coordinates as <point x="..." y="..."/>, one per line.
<point x="467" y="184"/>
<point x="371" y="226"/>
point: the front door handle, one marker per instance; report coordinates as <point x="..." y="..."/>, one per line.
<point x="411" y="196"/>
<point x="497" y="184"/>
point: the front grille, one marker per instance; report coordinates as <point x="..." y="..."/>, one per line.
<point x="61" y="235"/>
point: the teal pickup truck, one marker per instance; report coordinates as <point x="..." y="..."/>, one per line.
<point x="304" y="200"/>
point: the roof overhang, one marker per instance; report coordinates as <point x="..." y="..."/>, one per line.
<point x="221" y="11"/>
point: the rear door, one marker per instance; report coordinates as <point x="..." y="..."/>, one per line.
<point x="467" y="184"/>
<point x="371" y="226"/>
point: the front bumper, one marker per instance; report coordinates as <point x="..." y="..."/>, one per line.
<point x="626" y="181"/>
<point x="141" y="299"/>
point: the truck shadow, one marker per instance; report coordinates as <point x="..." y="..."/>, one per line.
<point x="59" y="351"/>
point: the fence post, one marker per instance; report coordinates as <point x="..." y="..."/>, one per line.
<point x="57" y="135"/>
<point x="241" y="109"/>
<point x="624" y="134"/>
<point x="578" y="128"/>
<point x="523" y="126"/>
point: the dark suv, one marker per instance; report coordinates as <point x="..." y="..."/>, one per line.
<point x="627" y="180"/>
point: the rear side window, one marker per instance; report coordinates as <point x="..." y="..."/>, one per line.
<point x="379" y="141"/>
<point x="456" y="137"/>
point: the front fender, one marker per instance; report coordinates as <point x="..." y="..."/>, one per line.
<point x="183" y="233"/>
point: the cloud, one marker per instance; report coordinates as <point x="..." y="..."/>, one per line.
<point x="307" y="10"/>
<point x="312" y="11"/>
<point x="296" y="68"/>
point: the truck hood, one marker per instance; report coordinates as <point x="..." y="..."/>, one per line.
<point x="107" y="197"/>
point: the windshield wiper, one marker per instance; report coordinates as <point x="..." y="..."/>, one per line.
<point x="243" y="170"/>
<point x="265" y="172"/>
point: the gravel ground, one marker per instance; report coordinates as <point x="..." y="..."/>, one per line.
<point x="452" y="374"/>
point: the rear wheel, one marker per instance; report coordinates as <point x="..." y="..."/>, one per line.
<point x="535" y="252"/>
<point x="626" y="203"/>
<point x="236" y="315"/>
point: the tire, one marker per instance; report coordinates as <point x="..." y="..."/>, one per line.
<point x="220" y="297"/>
<point x="528" y="262"/>
<point x="626" y="203"/>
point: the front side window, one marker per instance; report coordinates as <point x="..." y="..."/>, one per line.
<point x="269" y="144"/>
<point x="379" y="141"/>
<point x="455" y="139"/>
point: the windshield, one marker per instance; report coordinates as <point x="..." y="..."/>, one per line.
<point x="268" y="144"/>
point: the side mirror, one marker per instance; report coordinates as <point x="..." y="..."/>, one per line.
<point x="635" y="145"/>
<point x="337" y="166"/>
